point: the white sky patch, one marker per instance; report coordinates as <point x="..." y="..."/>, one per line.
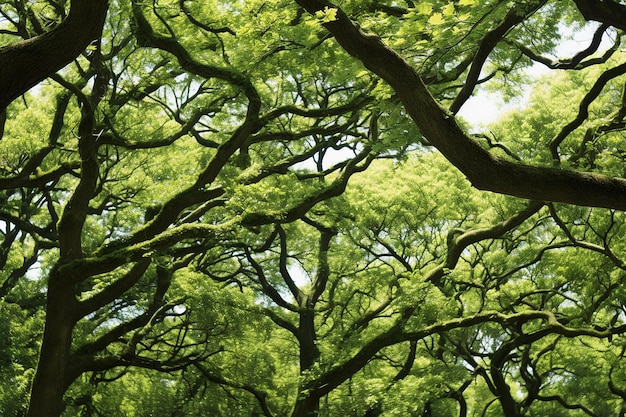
<point x="485" y="107"/>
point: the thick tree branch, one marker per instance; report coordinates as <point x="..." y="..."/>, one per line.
<point x="75" y="212"/>
<point x="114" y="289"/>
<point x="78" y="269"/>
<point x="485" y="171"/>
<point x="26" y="63"/>
<point x="606" y="11"/>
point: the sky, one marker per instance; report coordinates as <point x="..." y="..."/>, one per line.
<point x="486" y="107"/>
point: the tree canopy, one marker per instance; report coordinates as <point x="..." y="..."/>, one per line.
<point x="272" y="208"/>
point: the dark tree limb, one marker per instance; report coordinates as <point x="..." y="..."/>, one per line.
<point x="484" y="170"/>
<point x="606" y="11"/>
<point x="26" y="63"/>
<point x="567" y="405"/>
<point x="583" y="111"/>
<point x="576" y="62"/>
<point x="396" y="334"/>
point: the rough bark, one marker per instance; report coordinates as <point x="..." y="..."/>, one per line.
<point x="51" y="380"/>
<point x="62" y="312"/>
<point x="26" y="63"/>
<point x="483" y="170"/>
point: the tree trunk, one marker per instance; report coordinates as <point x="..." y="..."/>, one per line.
<point x="307" y="406"/>
<point x="52" y="379"/>
<point x="308" y="402"/>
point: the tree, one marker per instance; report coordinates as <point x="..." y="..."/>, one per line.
<point x="423" y="307"/>
<point x="100" y="250"/>
<point x="210" y="155"/>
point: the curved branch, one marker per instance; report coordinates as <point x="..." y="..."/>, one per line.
<point x="77" y="269"/>
<point x="485" y="171"/>
<point x="514" y="17"/>
<point x="575" y="62"/>
<point x="341" y="372"/>
<point x="606" y="11"/>
<point x="583" y="111"/>
<point x="457" y="244"/>
<point x="566" y="405"/>
<point x="26" y="63"/>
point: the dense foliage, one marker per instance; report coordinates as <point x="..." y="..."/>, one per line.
<point x="269" y="208"/>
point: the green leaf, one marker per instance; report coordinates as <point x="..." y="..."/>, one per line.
<point x="424" y="8"/>
<point x="436" y="19"/>
<point x="329" y="14"/>
<point x="448" y="9"/>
